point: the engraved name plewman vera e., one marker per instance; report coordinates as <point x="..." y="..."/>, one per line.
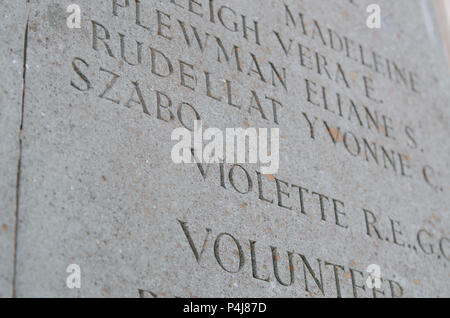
<point x="343" y="92"/>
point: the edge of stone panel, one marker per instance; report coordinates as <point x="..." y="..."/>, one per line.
<point x="11" y="101"/>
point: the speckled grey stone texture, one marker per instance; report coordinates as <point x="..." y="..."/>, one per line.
<point x="99" y="188"/>
<point x="11" y="61"/>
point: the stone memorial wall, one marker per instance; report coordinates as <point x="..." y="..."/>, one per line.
<point x="94" y="205"/>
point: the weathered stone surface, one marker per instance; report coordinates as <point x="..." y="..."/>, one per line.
<point x="11" y="62"/>
<point x="99" y="188"/>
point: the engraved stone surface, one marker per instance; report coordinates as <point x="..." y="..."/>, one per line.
<point x="11" y="62"/>
<point x="363" y="177"/>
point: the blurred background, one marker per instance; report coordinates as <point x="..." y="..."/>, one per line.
<point x="443" y="10"/>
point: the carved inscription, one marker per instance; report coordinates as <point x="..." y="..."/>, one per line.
<point x="340" y="109"/>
